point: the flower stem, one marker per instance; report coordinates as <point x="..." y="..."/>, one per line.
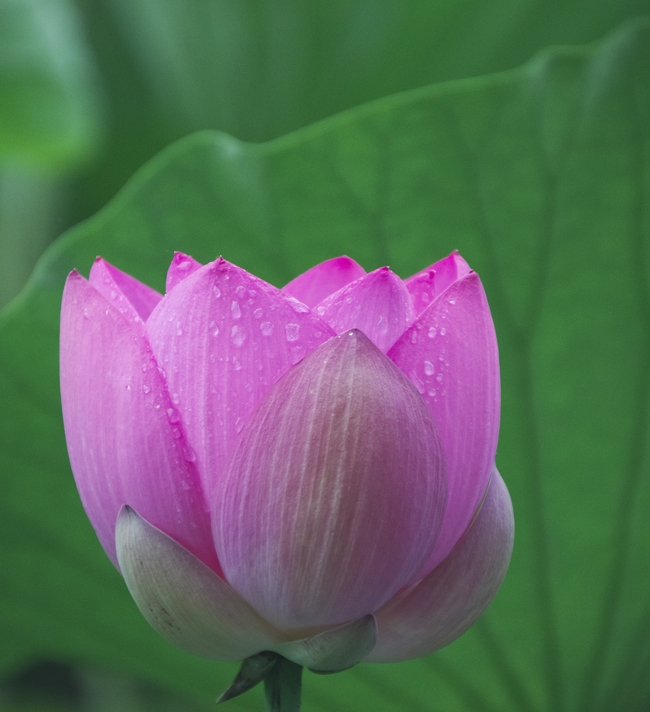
<point x="282" y="687"/>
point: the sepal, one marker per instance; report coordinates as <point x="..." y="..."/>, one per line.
<point x="184" y="600"/>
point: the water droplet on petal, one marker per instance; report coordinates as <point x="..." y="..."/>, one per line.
<point x="236" y="363"/>
<point x="237" y="335"/>
<point x="189" y="455"/>
<point x="146" y="388"/>
<point x="216" y="291"/>
<point x="240" y="291"/>
<point x="432" y="332"/>
<point x="235" y="311"/>
<point x="443" y="331"/>
<point x="258" y="313"/>
<point x="439" y="378"/>
<point x="175" y="398"/>
<point x="291" y="331"/>
<point x="266" y="327"/>
<point x="172" y="415"/>
<point x="428" y="368"/>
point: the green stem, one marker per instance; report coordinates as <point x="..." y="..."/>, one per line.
<point x="282" y="687"/>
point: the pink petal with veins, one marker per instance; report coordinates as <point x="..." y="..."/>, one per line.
<point x="451" y="598"/>
<point x="324" y="279"/>
<point x="378" y="304"/>
<point x="333" y="497"/>
<point x="125" y="439"/>
<point x="133" y="299"/>
<point x="224" y="337"/>
<point x="450" y="354"/>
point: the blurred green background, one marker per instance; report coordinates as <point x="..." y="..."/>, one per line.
<point x="538" y="175"/>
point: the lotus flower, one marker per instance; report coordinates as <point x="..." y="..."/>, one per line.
<point x="308" y="470"/>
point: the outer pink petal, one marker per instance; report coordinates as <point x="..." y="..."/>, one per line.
<point x="324" y="279"/>
<point x="133" y="299"/>
<point x="451" y="598"/>
<point x="184" y="600"/>
<point x="428" y="284"/>
<point x="333" y="496"/>
<point x="224" y="337"/>
<point x="181" y="266"/>
<point x="125" y="441"/>
<point x="450" y="354"/>
<point x="377" y="304"/>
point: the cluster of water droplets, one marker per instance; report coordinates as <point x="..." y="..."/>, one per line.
<point x="430" y="380"/>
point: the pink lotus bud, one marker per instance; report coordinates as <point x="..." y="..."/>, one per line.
<point x="308" y="471"/>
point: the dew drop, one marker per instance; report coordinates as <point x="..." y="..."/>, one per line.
<point x="432" y="392"/>
<point x="235" y="311"/>
<point x="258" y="313"/>
<point x="146" y="389"/>
<point x="439" y="378"/>
<point x="432" y="332"/>
<point x="266" y="328"/>
<point x="299" y="307"/>
<point x="175" y="398"/>
<point x="452" y="301"/>
<point x="236" y="363"/>
<point x="428" y="368"/>
<point x="237" y="335"/>
<point x="176" y="433"/>
<point x="240" y="291"/>
<point x="443" y="331"/>
<point x="216" y="291"/>
<point x="172" y="415"/>
<point x="86" y="313"/>
<point x="425" y="297"/>
<point x="291" y="331"/>
<point x="144" y="367"/>
<point x="189" y="455"/>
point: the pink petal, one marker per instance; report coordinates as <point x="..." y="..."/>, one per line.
<point x="184" y="600"/>
<point x="133" y="299"/>
<point x="431" y="282"/>
<point x="224" y="337"/>
<point x="324" y="279"/>
<point x="450" y="354"/>
<point x="377" y="304"/>
<point x="125" y="443"/>
<point x="451" y="598"/>
<point x="182" y="266"/>
<point x="333" y="497"/>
